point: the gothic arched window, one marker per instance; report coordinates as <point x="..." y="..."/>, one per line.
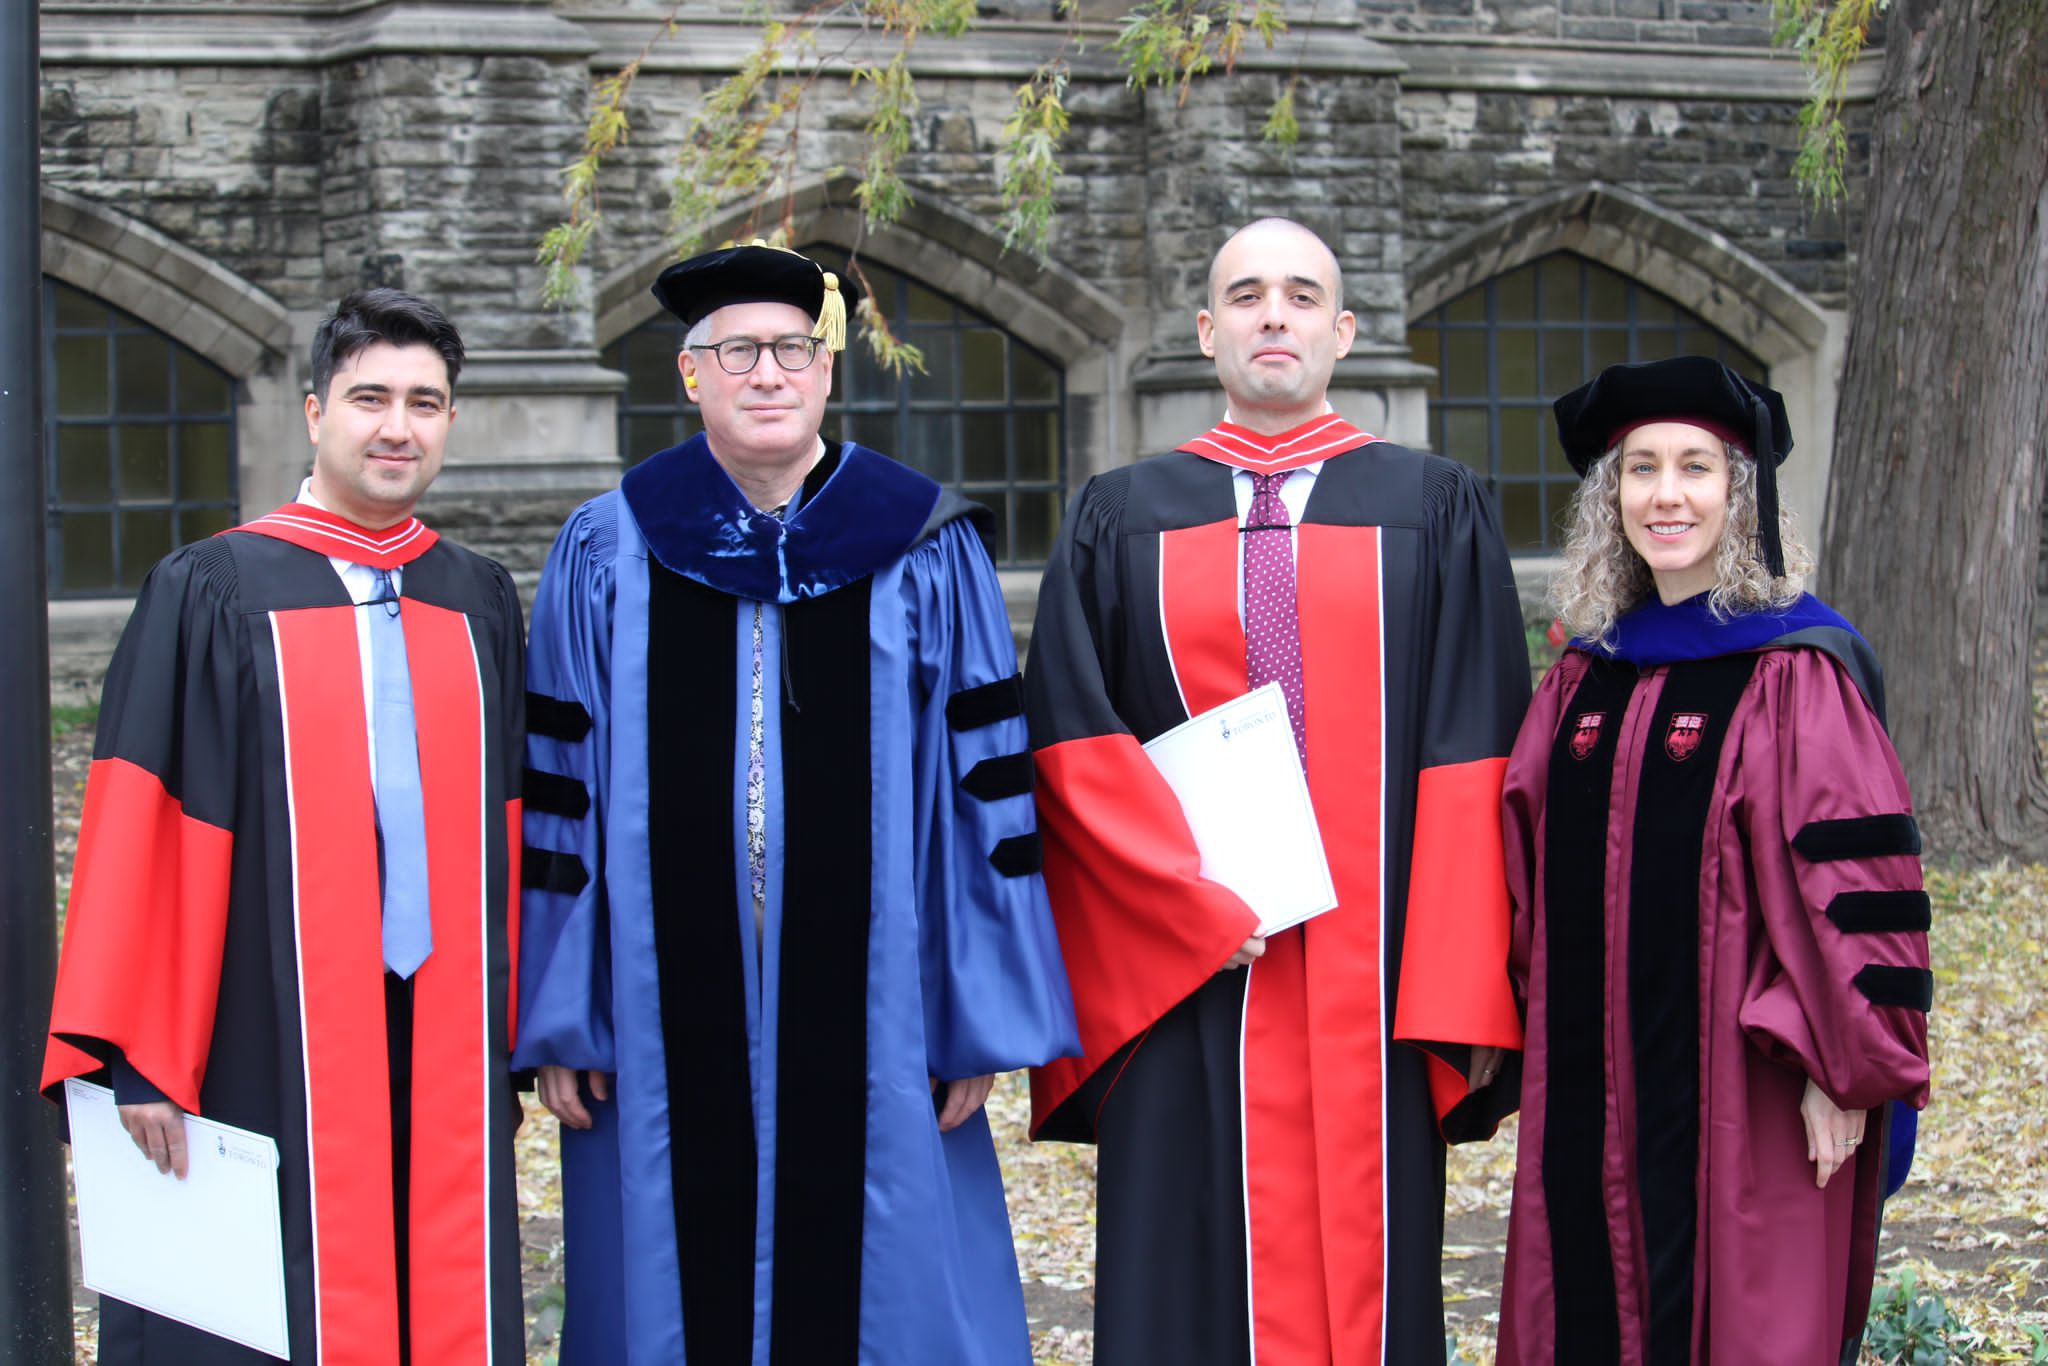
<point x="985" y="416"/>
<point x="1505" y="349"/>
<point x="140" y="437"/>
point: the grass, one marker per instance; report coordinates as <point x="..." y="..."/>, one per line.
<point x="67" y="717"/>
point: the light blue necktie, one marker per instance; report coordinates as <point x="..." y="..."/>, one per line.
<point x="401" y="810"/>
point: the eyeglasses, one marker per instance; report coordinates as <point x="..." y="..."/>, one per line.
<point x="740" y="355"/>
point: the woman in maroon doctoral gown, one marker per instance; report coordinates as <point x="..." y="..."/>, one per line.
<point x="1720" y="933"/>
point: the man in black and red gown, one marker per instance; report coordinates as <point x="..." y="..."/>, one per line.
<point x="1271" y="1111"/>
<point x="293" y="909"/>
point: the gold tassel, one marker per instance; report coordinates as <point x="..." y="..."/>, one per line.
<point x="832" y="315"/>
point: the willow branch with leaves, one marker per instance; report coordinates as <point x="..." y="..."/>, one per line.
<point x="742" y="140"/>
<point x="1173" y="41"/>
<point x="1829" y="36"/>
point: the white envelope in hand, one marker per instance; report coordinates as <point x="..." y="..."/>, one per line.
<point x="207" y="1251"/>
<point x="1238" y="778"/>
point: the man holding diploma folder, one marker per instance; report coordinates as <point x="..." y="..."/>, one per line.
<point x="294" y="904"/>
<point x="1272" y="1111"/>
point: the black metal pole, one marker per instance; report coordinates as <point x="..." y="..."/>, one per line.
<point x="35" y="1262"/>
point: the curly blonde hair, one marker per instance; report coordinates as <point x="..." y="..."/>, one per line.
<point x="1603" y="577"/>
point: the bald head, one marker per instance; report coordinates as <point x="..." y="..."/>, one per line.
<point x="1275" y="324"/>
<point x="1265" y="238"/>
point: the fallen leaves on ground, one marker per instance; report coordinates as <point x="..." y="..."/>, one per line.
<point x="1973" y="1220"/>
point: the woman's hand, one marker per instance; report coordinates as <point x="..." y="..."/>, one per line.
<point x="1831" y="1132"/>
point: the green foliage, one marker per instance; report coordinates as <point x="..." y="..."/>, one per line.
<point x="67" y="717"/>
<point x="890" y="351"/>
<point x="882" y="194"/>
<point x="1282" y="127"/>
<point x="1171" y="42"/>
<point x="1829" y="36"/>
<point x="947" y="18"/>
<point x="564" y="244"/>
<point x="1909" y="1326"/>
<point x="741" y="143"/>
<point x="1031" y="158"/>
<point x="726" y="153"/>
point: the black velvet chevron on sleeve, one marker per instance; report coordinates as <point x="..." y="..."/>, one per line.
<point x="1018" y="855"/>
<point x="556" y="719"/>
<point x="1880" y="912"/>
<point x="556" y="794"/>
<point x="544" y="870"/>
<point x="1857" y="837"/>
<point x="987" y="704"/>
<point x="1005" y="775"/>
<point x="1885" y="985"/>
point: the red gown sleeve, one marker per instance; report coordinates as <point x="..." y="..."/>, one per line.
<point x="1844" y="990"/>
<point x="139" y="970"/>
<point x="1453" y="991"/>
<point x="1139" y="926"/>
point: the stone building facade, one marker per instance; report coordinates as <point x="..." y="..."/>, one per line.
<point x="1517" y="190"/>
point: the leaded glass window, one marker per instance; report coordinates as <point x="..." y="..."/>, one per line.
<point x="140" y="436"/>
<point x="985" y="416"/>
<point x="1504" y="350"/>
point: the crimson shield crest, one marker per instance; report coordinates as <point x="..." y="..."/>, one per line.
<point x="1586" y="733"/>
<point x="1684" y="736"/>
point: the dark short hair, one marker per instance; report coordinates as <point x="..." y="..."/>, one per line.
<point x="368" y="316"/>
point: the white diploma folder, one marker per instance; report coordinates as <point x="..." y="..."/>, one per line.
<point x="1238" y="777"/>
<point x="207" y="1251"/>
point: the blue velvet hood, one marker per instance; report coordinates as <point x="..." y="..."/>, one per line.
<point x="1655" y="633"/>
<point x="869" y="511"/>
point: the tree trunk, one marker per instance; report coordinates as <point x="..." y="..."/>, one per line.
<point x="1941" y="437"/>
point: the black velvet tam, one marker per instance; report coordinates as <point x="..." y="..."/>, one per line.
<point x="695" y="289"/>
<point x="1695" y="389"/>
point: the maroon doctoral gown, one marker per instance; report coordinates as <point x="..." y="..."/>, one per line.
<point x="1271" y="1164"/>
<point x="1717" y="896"/>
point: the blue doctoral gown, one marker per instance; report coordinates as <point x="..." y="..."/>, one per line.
<point x="769" y="1183"/>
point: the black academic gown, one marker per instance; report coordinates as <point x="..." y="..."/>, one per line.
<point x="1272" y="1159"/>
<point x="223" y="934"/>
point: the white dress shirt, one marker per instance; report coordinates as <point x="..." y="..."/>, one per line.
<point x="361" y="582"/>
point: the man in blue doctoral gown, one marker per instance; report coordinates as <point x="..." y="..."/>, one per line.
<point x="783" y="918"/>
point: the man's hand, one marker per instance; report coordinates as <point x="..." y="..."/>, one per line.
<point x="1831" y="1133"/>
<point x="560" y="1092"/>
<point x="1484" y="1067"/>
<point x="1250" y="949"/>
<point x="963" y="1098"/>
<point x="158" y="1128"/>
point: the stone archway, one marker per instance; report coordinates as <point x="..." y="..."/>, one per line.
<point x="171" y="287"/>
<point x="1740" y="296"/>
<point x="1698" y="267"/>
<point x="938" y="244"/>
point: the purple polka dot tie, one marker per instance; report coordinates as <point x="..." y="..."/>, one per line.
<point x="1272" y="621"/>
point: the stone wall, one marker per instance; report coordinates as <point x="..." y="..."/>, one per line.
<point x="1726" y="165"/>
<point x="1719" y="23"/>
<point x="436" y="170"/>
<point x="225" y="158"/>
<point x="305" y="149"/>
